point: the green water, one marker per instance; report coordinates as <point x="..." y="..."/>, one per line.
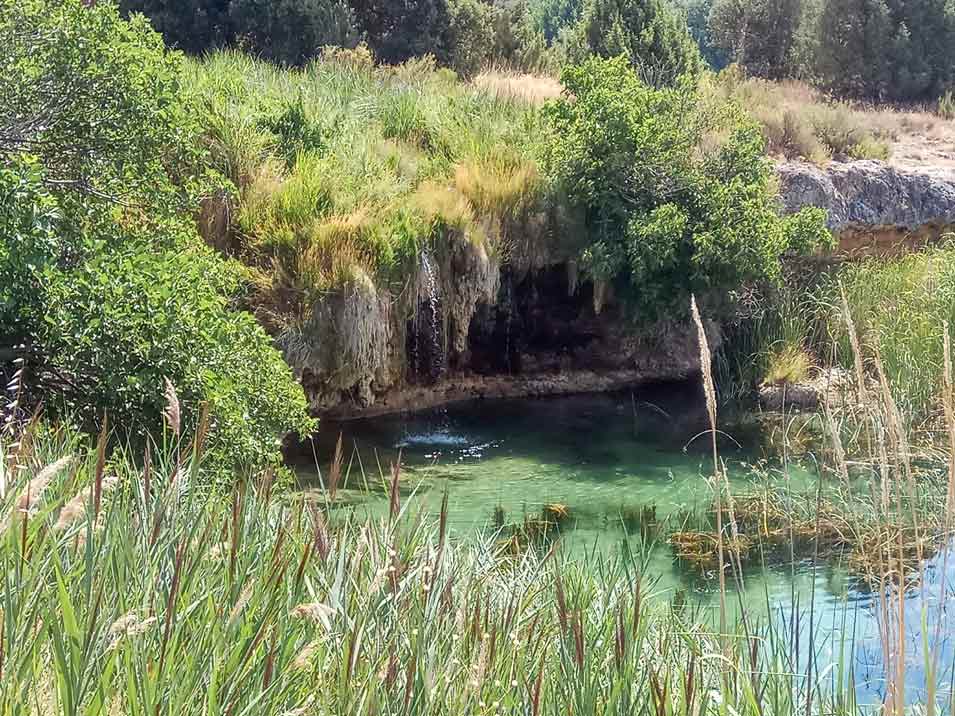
<point x="605" y="458"/>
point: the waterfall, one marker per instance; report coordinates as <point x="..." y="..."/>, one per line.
<point x="430" y="305"/>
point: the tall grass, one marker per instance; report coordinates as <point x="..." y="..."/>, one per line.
<point x="900" y="306"/>
<point x="127" y="589"/>
<point x="328" y="163"/>
<point x="131" y="587"/>
<point x="800" y="123"/>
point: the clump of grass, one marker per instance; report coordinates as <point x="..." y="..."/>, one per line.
<point x="519" y="87"/>
<point x="345" y="169"/>
<point x="899" y="305"/>
<point x="946" y="105"/>
<point x="800" y="123"/>
<point x="788" y="365"/>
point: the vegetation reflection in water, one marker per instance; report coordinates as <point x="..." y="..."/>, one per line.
<point x="624" y="471"/>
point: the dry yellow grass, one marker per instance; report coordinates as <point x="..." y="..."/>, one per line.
<point x="533" y="89"/>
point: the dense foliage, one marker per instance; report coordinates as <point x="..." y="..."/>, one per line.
<point x="877" y="49"/>
<point x="289" y="31"/>
<point x="103" y="278"/>
<point x="759" y="34"/>
<point x="663" y="218"/>
<point x="653" y="38"/>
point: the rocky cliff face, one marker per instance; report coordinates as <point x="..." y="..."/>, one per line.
<point x="467" y="325"/>
<point x="872" y="205"/>
<point x="463" y="326"/>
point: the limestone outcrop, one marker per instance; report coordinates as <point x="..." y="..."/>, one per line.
<point x="871" y="198"/>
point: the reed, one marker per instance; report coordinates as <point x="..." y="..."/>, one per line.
<point x="129" y="586"/>
<point x="188" y="602"/>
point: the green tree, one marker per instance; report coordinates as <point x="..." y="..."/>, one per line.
<point x="651" y="35"/>
<point x="854" y="38"/>
<point x="291" y="31"/>
<point x="922" y="64"/>
<point x="697" y="14"/>
<point x="103" y="276"/>
<point x="471" y="36"/>
<point x="191" y="25"/>
<point x="760" y="35"/>
<point x="664" y="217"/>
<point x="287" y="31"/>
<point x="397" y="30"/>
<point x="551" y="17"/>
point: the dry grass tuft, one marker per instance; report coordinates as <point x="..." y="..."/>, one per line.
<point x="514" y="86"/>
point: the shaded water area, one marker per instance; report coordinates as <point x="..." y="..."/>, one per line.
<point x="628" y="468"/>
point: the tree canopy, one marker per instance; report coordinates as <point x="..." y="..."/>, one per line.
<point x="103" y="277"/>
<point x="665" y="218"/>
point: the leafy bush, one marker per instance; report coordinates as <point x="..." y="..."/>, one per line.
<point x="663" y="218"/>
<point x="649" y="33"/>
<point x="103" y="276"/>
<point x="123" y="323"/>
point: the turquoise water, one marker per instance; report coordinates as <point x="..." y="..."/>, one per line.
<point x="607" y="458"/>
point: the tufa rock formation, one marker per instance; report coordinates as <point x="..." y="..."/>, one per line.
<point x="873" y="206"/>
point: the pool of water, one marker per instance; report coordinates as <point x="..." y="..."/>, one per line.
<point x="607" y="459"/>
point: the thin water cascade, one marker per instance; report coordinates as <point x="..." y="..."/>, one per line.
<point x="428" y="360"/>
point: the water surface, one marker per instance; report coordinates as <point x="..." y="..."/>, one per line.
<point x="607" y="459"/>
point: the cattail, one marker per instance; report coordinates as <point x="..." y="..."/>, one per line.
<point x="75" y="510"/>
<point x="705" y="359"/>
<point x="128" y="625"/>
<point x="853" y="341"/>
<point x="710" y="392"/>
<point x="240" y="604"/>
<point x="335" y="471"/>
<point x="394" y="497"/>
<point x="836" y="441"/>
<point x="219" y="551"/>
<point x="315" y="612"/>
<point x="305" y="708"/>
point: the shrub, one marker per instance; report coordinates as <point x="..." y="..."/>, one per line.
<point x="102" y="277"/>
<point x="662" y="220"/>
<point x="123" y="323"/>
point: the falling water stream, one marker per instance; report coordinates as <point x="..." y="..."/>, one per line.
<point x="432" y="329"/>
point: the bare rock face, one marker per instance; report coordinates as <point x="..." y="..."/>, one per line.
<point x="869" y="194"/>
